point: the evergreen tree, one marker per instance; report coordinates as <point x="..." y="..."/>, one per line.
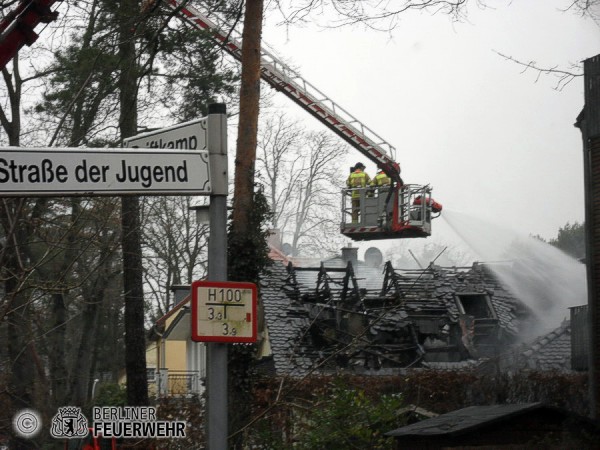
<point x="571" y="239"/>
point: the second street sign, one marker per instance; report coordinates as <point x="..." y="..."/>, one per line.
<point x="188" y="135"/>
<point x="55" y="172"/>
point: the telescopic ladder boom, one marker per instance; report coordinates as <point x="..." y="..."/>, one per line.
<point x="281" y="77"/>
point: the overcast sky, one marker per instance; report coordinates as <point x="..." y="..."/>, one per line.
<point x="495" y="142"/>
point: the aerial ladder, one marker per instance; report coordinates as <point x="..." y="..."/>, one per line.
<point x="397" y="211"/>
<point x="16" y="29"/>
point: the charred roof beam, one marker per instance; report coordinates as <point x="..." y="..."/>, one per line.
<point x="390" y="282"/>
<point x="323" y="279"/>
<point x="291" y="283"/>
<point x="350" y="293"/>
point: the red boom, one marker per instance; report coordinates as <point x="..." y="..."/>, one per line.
<point x="16" y="29"/>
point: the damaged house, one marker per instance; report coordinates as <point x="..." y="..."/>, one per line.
<point x="346" y="316"/>
<point x="343" y="315"/>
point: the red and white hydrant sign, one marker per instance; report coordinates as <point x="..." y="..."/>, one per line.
<point x="224" y="311"/>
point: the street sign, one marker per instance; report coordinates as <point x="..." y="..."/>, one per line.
<point x="188" y="136"/>
<point x="28" y="172"/>
<point x="224" y="312"/>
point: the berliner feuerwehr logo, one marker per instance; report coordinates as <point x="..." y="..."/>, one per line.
<point x="68" y="423"/>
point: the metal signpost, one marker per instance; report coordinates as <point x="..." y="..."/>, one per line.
<point x="209" y="134"/>
<point x="216" y="377"/>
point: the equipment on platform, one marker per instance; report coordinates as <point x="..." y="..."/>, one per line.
<point x="389" y="212"/>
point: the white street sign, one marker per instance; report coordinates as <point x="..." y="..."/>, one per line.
<point x="188" y="135"/>
<point x="73" y="171"/>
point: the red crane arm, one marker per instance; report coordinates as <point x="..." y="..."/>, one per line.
<point x="16" y="29"/>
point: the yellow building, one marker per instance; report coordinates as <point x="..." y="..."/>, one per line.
<point x="176" y="364"/>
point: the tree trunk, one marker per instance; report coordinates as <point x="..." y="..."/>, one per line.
<point x="243" y="202"/>
<point x="19" y="339"/>
<point x="57" y="344"/>
<point x="18" y="317"/>
<point x="248" y="122"/>
<point x="57" y="339"/>
<point x="80" y="384"/>
<point x="135" y="342"/>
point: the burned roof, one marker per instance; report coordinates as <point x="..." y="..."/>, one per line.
<point x="342" y="316"/>
<point x="550" y="352"/>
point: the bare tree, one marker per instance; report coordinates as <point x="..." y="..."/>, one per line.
<point x="174" y="248"/>
<point x="14" y="264"/>
<point x="93" y="296"/>
<point x="371" y="13"/>
<point x="51" y="259"/>
<point x="563" y="76"/>
<point x="315" y="207"/>
<point x="301" y="177"/>
<point x="562" y="73"/>
<point x="60" y="266"/>
<point x="277" y="156"/>
<point x="133" y="282"/>
<point x="589" y="8"/>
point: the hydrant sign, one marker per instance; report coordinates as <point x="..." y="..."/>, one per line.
<point x="224" y="312"/>
<point x="69" y="172"/>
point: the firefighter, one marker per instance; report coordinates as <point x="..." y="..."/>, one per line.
<point x="434" y="207"/>
<point x="357" y="179"/>
<point x="381" y="179"/>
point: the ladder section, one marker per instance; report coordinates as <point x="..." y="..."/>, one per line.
<point x="286" y="80"/>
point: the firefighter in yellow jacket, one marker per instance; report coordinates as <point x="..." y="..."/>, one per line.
<point x="381" y="179"/>
<point x="357" y="179"/>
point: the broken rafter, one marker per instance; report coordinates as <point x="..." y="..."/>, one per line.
<point x="354" y="292"/>
<point x="391" y="282"/>
<point x="291" y="282"/>
<point x="412" y="282"/>
<point x="323" y="279"/>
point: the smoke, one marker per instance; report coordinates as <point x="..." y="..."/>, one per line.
<point x="545" y="278"/>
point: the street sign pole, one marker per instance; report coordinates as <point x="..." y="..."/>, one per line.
<point x="216" y="381"/>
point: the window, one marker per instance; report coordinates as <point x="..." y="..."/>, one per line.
<point x="477" y="305"/>
<point x="151" y="374"/>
